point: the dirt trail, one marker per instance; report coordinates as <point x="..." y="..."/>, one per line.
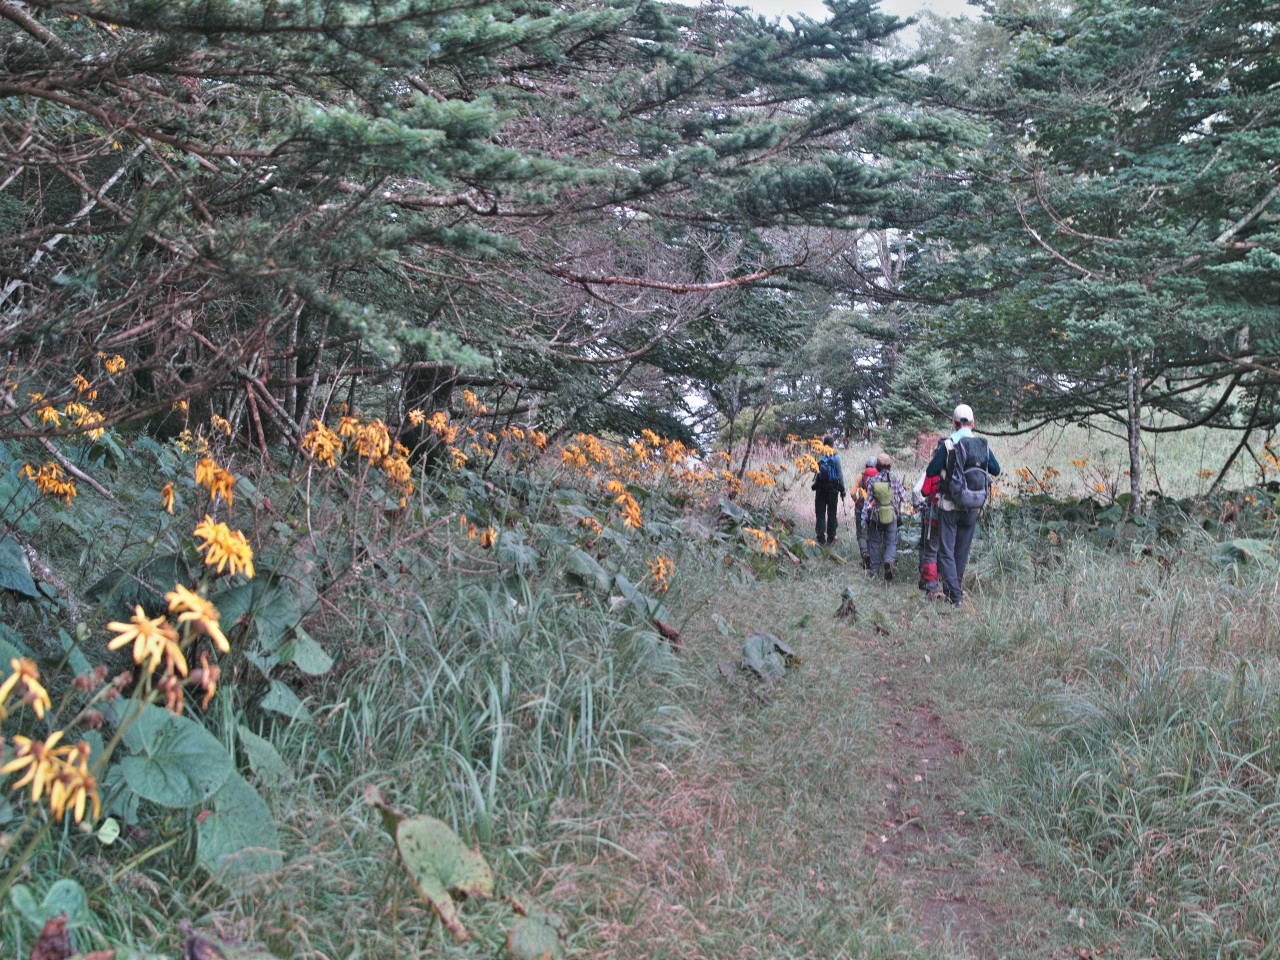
<point x="922" y="836"/>
<point x="824" y="816"/>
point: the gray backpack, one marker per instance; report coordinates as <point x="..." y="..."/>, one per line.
<point x="968" y="482"/>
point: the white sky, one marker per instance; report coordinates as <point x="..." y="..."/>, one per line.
<point x="899" y="8"/>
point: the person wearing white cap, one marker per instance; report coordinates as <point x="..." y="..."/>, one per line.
<point x="964" y="465"/>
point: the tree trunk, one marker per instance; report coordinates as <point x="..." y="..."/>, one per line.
<point x="1134" y="429"/>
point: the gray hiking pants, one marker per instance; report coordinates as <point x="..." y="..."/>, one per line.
<point x="882" y="542"/>
<point x="955" y="536"/>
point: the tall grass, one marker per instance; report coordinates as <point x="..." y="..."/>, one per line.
<point x="504" y="706"/>
<point x="1138" y="760"/>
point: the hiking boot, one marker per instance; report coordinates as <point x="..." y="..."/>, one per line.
<point x="888" y="572"/>
<point x="866" y="563"/>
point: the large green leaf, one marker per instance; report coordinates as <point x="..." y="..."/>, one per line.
<point x="121" y="589"/>
<point x="15" y="571"/>
<point x="175" y="762"/>
<point x="270" y="604"/>
<point x="584" y="567"/>
<point x="302" y="651"/>
<point x="65" y="896"/>
<point x="280" y="699"/>
<point x="264" y="759"/>
<point x="12" y="646"/>
<point x="441" y="864"/>
<point x="237" y="836"/>
<point x="643" y="604"/>
<point x="531" y="939"/>
<point x="513" y="550"/>
<point x="1245" y="551"/>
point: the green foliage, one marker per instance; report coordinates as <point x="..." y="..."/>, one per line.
<point x="174" y="761"/>
<point x="441" y="865"/>
<point x="236" y="836"/>
<point x="15" y="569"/>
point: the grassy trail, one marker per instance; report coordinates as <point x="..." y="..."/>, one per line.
<point x="830" y="815"/>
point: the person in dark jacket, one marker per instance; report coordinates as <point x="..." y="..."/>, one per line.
<point x="956" y="524"/>
<point x="828" y="491"/>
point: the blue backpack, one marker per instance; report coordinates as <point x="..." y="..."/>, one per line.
<point x="827" y="471"/>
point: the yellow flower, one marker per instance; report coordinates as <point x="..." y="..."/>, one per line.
<point x="442" y="428"/>
<point x="348" y="426"/>
<point x="112" y="364"/>
<point x="74" y="786"/>
<point x="372" y="441"/>
<point x="219" y="482"/>
<point x="152" y="638"/>
<point x="224" y="547"/>
<point x="51" y="481"/>
<point x="417" y="417"/>
<point x="592" y="524"/>
<point x="199" y="612"/>
<point x="459" y="458"/>
<point x="26" y="673"/>
<point x="399" y="475"/>
<point x="660" y="571"/>
<point x="180" y="405"/>
<point x="80" y="383"/>
<point x="88" y="420"/>
<point x="50" y="417"/>
<point x="322" y="445"/>
<point x="220" y="424"/>
<point x="167" y="497"/>
<point x="39" y="758"/>
<point x="765" y="542"/>
<point x="473" y="403"/>
<point x="630" y="511"/>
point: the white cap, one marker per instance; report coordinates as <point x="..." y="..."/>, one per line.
<point x="963" y="414"/>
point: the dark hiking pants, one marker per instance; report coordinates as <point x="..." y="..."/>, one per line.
<point x="824" y="507"/>
<point x="955" y="537"/>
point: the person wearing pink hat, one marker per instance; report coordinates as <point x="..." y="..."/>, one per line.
<point x="964" y="466"/>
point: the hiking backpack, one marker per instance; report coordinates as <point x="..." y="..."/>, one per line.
<point x="882" y="494"/>
<point x="968" y="482"/>
<point x="827" y="471"/>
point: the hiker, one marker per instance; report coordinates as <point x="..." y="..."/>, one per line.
<point x="859" y="501"/>
<point x="826" y="486"/>
<point x="886" y="499"/>
<point x="964" y="466"/>
<point x="925" y="500"/>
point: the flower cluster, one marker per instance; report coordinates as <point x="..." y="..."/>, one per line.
<point x="160" y="648"/>
<point x="626" y="504"/>
<point x="486" y="536"/>
<point x="762" y="540"/>
<point x="370" y="440"/>
<point x="223" y="547"/>
<point x="217" y="480"/>
<point x="51" y="481"/>
<point x="55" y="772"/>
<point x="64" y="770"/>
<point x="660" y="571"/>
